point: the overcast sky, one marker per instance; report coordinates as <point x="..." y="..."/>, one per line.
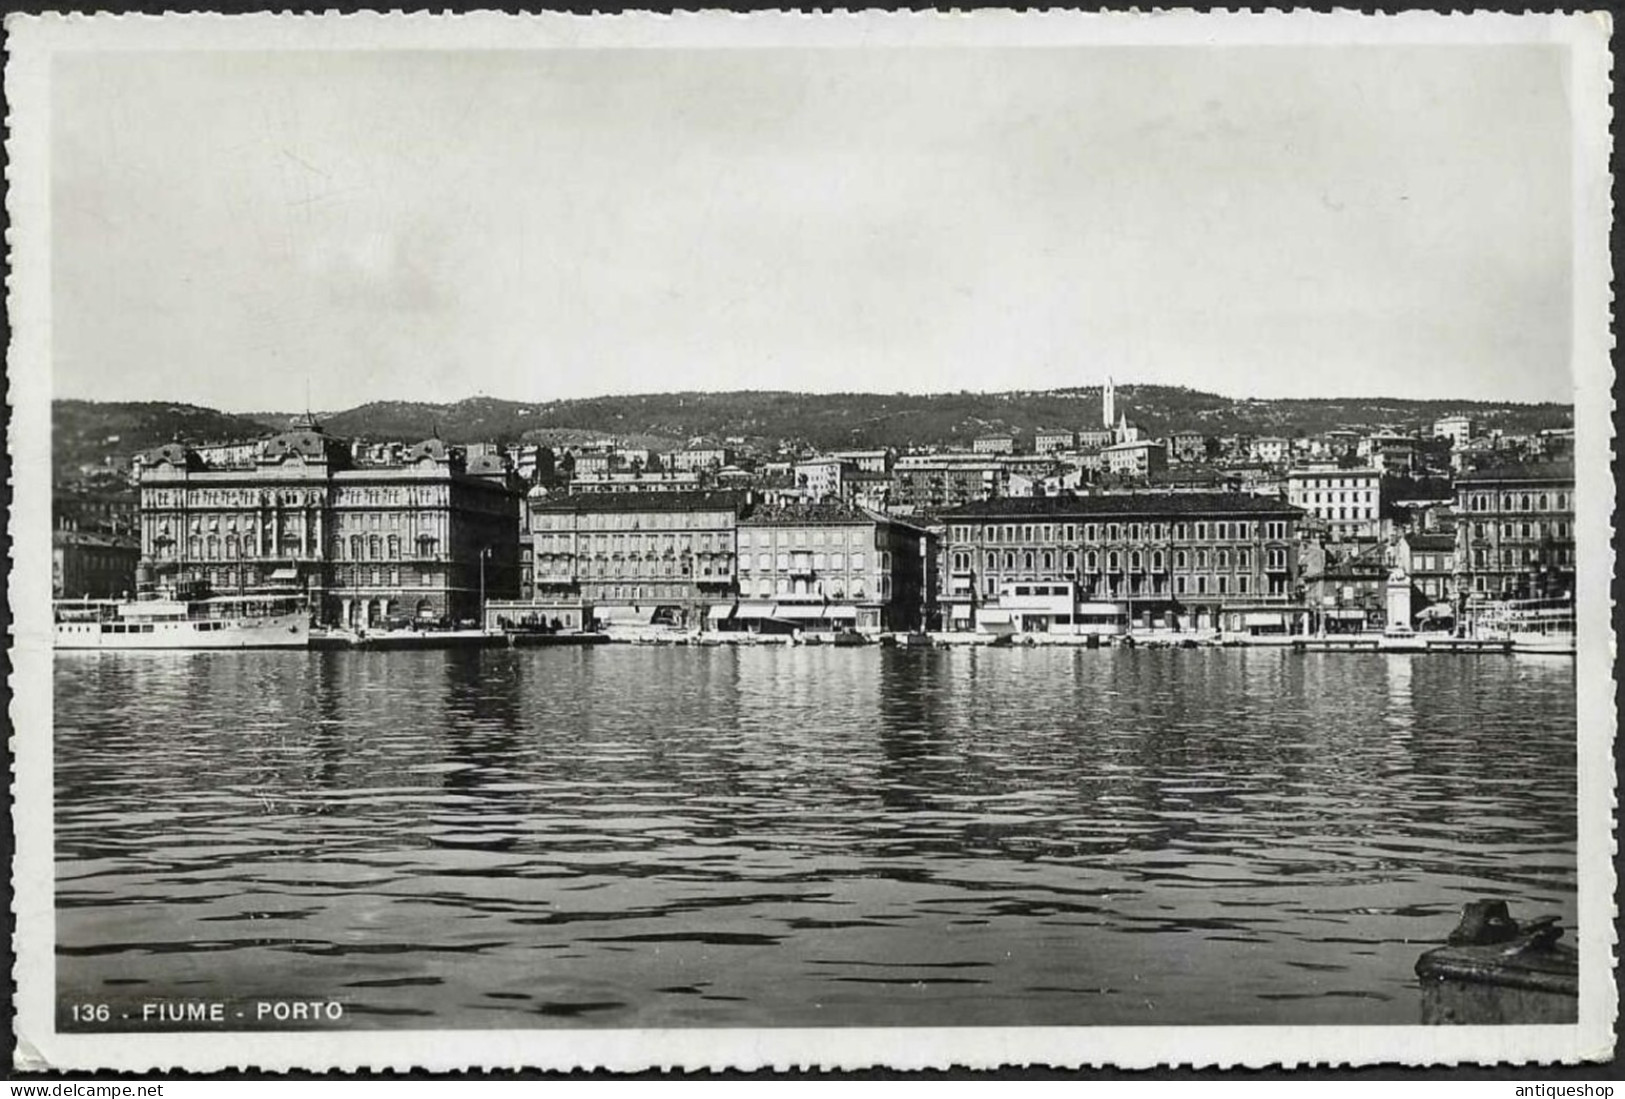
<point x="545" y="224"/>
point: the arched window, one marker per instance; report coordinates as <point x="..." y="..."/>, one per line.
<point x="1180" y="560"/>
<point x="1049" y="560"/>
<point x="1134" y="561"/>
<point x="1114" y="563"/>
<point x="373" y="547"/>
<point x="1009" y="560"/>
<point x="1243" y="559"/>
<point x="1543" y="506"/>
<point x="992" y="561"/>
<point x="1071" y="561"/>
<point x="1221" y="559"/>
<point x="394" y="547"/>
<point x="355" y="547"/>
<point x="1156" y="561"/>
<point x="1091" y="562"/>
<point x="1027" y="561"/>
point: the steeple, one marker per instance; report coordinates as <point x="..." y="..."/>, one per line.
<point x="1108" y="404"/>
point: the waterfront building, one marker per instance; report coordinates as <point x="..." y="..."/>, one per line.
<point x="1348" y="501"/>
<point x="829" y="566"/>
<point x="638" y="558"/>
<point x="88" y="564"/>
<point x="1079" y="564"/>
<point x="995" y="444"/>
<point x="1458" y="429"/>
<point x="932" y="482"/>
<point x="421" y="538"/>
<point x="1429" y="559"/>
<point x="1346" y="586"/>
<point x="1051" y="441"/>
<point x="1515" y="531"/>
<point x="1135" y="458"/>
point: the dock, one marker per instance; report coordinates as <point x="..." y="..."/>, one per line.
<point x="1494" y="969"/>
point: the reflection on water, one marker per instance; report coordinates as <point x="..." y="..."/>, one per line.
<point x="639" y="836"/>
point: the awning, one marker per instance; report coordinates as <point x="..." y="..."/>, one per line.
<point x="625" y="615"/>
<point x="815" y="611"/>
<point x="284" y="574"/>
<point x="757" y="610"/>
<point x="993" y="615"/>
<point x="1264" y="619"/>
<point x="1346" y="616"/>
<point x="719" y="612"/>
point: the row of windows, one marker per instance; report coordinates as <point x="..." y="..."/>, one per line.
<point x="640" y="520"/>
<point x="767" y="539"/>
<point x="635" y="543"/>
<point x="647" y="567"/>
<point x="1097" y="588"/>
<point x="1217" y="531"/>
<point x="1514" y="559"/>
<point x="1526" y="530"/>
<point x="818" y="561"/>
<point x="1275" y="558"/>
<point x="834" y="589"/>
<point x="1518" y="501"/>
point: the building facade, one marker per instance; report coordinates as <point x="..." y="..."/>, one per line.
<point x="994" y="444"/>
<point x="1458" y="429"/>
<point x="1138" y="458"/>
<point x="1348" y="501"/>
<point x="1083" y="564"/>
<point x="830" y="566"/>
<point x="1515" y="532"/>
<point x="639" y="559"/>
<point x="1050" y="441"/>
<point x="428" y="537"/>
<point x="92" y="565"/>
<point x="932" y="482"/>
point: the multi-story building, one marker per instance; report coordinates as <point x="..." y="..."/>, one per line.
<point x="1050" y="441"/>
<point x="867" y="461"/>
<point x="1138" y="458"/>
<point x="825" y="478"/>
<point x="994" y="444"/>
<point x="1188" y="446"/>
<point x="1430" y="562"/>
<point x="1515" y="531"/>
<point x="1096" y="438"/>
<point x="830" y="566"/>
<point x="1458" y="429"/>
<point x="428" y="537"/>
<point x="222" y="455"/>
<point x="698" y="457"/>
<point x="92" y="565"/>
<point x="1270" y="449"/>
<point x="1348" y="501"/>
<point x="635" y="481"/>
<point x="1082" y="564"/>
<point x="932" y="482"/>
<point x="638" y="558"/>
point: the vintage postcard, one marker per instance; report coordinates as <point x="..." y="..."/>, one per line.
<point x="840" y="540"/>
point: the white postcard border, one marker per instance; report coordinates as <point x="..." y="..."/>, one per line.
<point x="33" y="43"/>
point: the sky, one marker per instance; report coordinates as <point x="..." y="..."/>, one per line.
<point x="230" y="229"/>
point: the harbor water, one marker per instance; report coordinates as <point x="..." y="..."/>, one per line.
<point x="646" y="836"/>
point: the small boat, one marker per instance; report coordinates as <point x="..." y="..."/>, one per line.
<point x="259" y="621"/>
<point x="848" y="637"/>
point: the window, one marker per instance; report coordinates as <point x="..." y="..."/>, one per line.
<point x="1179" y="585"/>
<point x="857" y="562"/>
<point x="1241" y="584"/>
<point x="992" y="561"/>
<point x="1049" y="560"/>
<point x="1113" y="562"/>
<point x="1027" y="561"/>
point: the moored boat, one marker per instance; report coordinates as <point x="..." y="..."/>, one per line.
<point x="258" y="621"/>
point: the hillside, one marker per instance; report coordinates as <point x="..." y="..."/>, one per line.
<point x="939" y="419"/>
<point x="91" y="432"/>
<point x="94" y="433"/>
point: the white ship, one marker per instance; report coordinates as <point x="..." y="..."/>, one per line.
<point x="274" y="621"/>
<point x="1535" y="625"/>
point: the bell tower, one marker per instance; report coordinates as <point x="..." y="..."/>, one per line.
<point x="1108" y="404"/>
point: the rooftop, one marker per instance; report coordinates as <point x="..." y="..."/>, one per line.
<point x="1153" y="505"/>
<point x="799" y="514"/>
<point x="1529" y="471"/>
<point x="623" y="502"/>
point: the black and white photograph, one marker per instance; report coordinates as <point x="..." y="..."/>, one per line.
<point x="616" y="541"/>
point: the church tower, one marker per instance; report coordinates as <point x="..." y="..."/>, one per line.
<point x="1108" y="405"/>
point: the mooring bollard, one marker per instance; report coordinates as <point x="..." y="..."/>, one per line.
<point x="1494" y="969"/>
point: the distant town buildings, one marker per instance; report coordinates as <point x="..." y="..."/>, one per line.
<point x="1515" y="531"/>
